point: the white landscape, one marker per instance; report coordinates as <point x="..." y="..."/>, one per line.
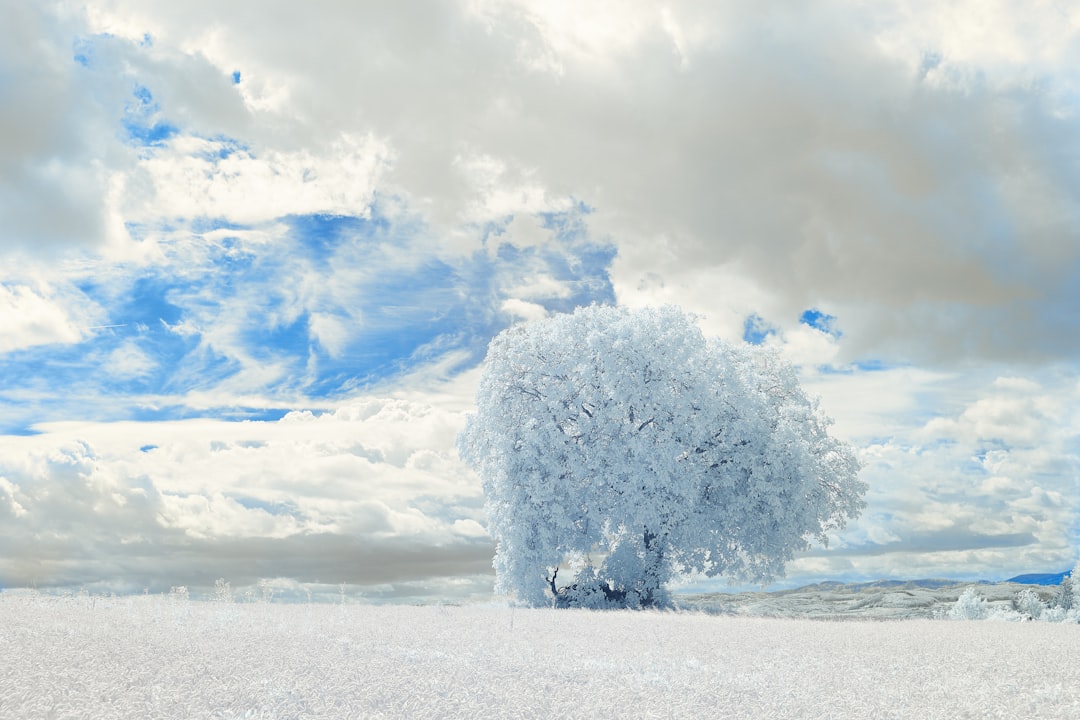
<point x="165" y="656"/>
<point x="488" y="347"/>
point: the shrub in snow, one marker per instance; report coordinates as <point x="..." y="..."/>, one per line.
<point x="222" y="591"/>
<point x="1028" y="604"/>
<point x="625" y="439"/>
<point x="1057" y="614"/>
<point x="969" y="606"/>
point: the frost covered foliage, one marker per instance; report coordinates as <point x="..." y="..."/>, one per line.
<point x="139" y="658"/>
<point x="622" y="447"/>
<point x="969" y="606"/>
<point x="1028" y="604"/>
<point x="1062" y="607"/>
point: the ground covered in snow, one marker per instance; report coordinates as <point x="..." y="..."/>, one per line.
<point x="169" y="657"/>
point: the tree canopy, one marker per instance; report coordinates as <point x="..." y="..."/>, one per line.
<point x="618" y="448"/>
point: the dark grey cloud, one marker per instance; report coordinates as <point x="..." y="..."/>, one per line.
<point x="59" y="134"/>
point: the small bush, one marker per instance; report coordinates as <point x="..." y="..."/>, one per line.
<point x="969" y="606"/>
<point x="223" y="591"/>
<point x="1029" y="604"/>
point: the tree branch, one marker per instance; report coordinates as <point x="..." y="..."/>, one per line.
<point x="531" y="393"/>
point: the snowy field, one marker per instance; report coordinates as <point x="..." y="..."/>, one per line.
<point x="165" y="657"/>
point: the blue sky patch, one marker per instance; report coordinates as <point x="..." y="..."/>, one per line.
<point x="82" y="51"/>
<point x="321" y="236"/>
<point x="568" y="225"/>
<point x="331" y="306"/>
<point x="153" y="134"/>
<point x="223" y="147"/>
<point x="756" y="330"/>
<point x="820" y="321"/>
<point x="866" y="365"/>
<point x="142" y="121"/>
<point x="272" y="508"/>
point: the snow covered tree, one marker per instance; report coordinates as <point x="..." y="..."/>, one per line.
<point x="622" y="447"/>
<point x="1068" y="595"/>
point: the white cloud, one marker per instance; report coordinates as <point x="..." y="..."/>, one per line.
<point x="832" y="168"/>
<point x="469" y="528"/>
<point x="188" y="178"/>
<point x="29" y="317"/>
<point x="524" y="310"/>
<point x="332" y="332"/>
<point x="807" y="346"/>
<point x="498" y="192"/>
<point x="985" y="490"/>
<point x="1018" y="413"/>
<point x="524" y="231"/>
<point x="539" y="287"/>
<point x="57" y="150"/>
<point x="1005" y="41"/>
<point x="380" y="472"/>
<point x="129" y="361"/>
<point x="595" y="32"/>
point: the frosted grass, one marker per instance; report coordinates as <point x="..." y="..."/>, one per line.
<point x="85" y="657"/>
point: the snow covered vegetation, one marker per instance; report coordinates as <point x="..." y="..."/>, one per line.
<point x="880" y="600"/>
<point x="169" y="657"/>
<point x="622" y="448"/>
<point x="1059" y="605"/>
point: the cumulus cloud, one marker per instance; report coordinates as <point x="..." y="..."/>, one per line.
<point x="893" y="162"/>
<point x="29" y="318"/>
<point x="524" y="310"/>
<point x="369" y="494"/>
<point x="58" y="150"/>
<point x="984" y="490"/>
<point x="899" y="163"/>
<point x="191" y="177"/>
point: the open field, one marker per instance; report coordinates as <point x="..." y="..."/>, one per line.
<point x="163" y="657"/>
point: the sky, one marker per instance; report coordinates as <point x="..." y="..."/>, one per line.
<point x="252" y="253"/>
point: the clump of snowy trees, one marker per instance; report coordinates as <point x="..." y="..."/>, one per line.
<point x="1062" y="606"/>
<point x="619" y="448"/>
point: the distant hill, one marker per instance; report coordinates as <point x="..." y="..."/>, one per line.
<point x="931" y="584"/>
<point x="1039" y="578"/>
<point x="833" y="586"/>
<point x="876" y="600"/>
